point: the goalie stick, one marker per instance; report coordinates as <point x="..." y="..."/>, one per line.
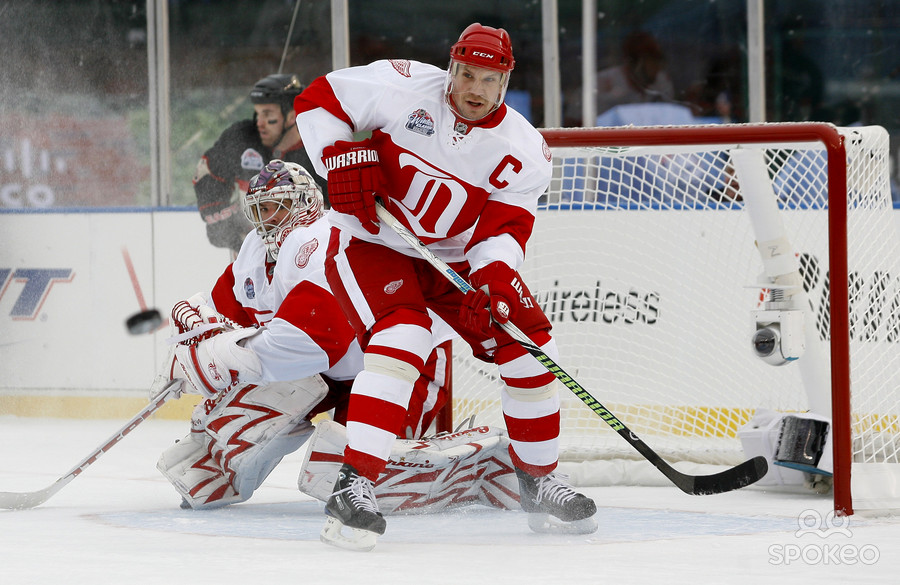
<point x="25" y="500"/>
<point x="733" y="478"/>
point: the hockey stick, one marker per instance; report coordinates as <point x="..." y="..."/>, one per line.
<point x="733" y="478"/>
<point x="25" y="500"/>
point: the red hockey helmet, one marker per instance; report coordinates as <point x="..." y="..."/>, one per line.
<point x="480" y="63"/>
<point x="484" y="46"/>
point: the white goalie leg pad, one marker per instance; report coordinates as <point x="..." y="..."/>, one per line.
<point x="422" y="476"/>
<point x="253" y="428"/>
<point x="219" y="362"/>
<point x="195" y="475"/>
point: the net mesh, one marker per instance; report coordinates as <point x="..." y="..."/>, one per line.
<point x="644" y="259"/>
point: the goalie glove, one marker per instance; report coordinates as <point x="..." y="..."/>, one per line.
<point x="193" y="321"/>
<point x="496" y="296"/>
<point x="354" y="178"/>
<point x="219" y="362"/>
<point x="167" y="372"/>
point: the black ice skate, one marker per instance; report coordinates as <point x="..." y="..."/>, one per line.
<point x="352" y="504"/>
<point x="553" y="506"/>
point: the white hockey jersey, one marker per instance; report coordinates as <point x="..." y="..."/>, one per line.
<point x="309" y="334"/>
<point x="468" y="190"/>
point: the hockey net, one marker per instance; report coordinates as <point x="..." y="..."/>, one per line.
<point x="644" y="258"/>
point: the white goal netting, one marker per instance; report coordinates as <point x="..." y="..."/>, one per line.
<point x="644" y="259"/>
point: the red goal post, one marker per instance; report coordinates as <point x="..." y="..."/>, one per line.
<point x="645" y="258"/>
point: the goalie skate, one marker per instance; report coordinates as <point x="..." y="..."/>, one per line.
<point x="352" y="506"/>
<point x="554" y="507"/>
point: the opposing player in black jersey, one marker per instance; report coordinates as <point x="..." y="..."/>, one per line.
<point x="242" y="150"/>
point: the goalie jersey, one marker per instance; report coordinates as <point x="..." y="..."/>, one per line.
<point x="307" y="331"/>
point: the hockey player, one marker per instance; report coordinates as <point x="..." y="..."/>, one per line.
<point x="464" y="173"/>
<point x="264" y="385"/>
<point x="224" y="170"/>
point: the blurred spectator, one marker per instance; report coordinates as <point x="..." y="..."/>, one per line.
<point x="727" y="189"/>
<point x="717" y="97"/>
<point x="640" y="78"/>
<point x="224" y="171"/>
<point x="652" y="114"/>
<point x="801" y="80"/>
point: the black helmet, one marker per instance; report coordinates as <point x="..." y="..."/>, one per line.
<point x="279" y="89"/>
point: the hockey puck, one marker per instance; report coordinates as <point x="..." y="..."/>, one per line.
<point x="146" y="321"/>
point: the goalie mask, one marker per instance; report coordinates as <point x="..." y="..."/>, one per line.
<point x="480" y="64"/>
<point x="281" y="198"/>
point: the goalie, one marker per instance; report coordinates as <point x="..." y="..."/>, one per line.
<point x="271" y="349"/>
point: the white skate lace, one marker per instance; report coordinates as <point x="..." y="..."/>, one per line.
<point x="553" y="488"/>
<point x="361" y="494"/>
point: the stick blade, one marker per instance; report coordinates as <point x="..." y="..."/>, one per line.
<point x="734" y="478"/>
<point x="25" y="500"/>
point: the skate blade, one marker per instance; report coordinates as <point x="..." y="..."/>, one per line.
<point x="547" y="524"/>
<point x="356" y="539"/>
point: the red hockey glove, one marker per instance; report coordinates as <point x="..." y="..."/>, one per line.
<point x="354" y="178"/>
<point x="496" y="296"/>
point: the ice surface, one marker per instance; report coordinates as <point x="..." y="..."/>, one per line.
<point x="119" y="522"/>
